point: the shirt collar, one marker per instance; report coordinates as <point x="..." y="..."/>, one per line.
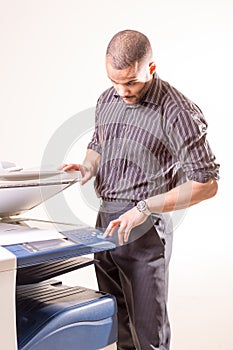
<point x="153" y="94"/>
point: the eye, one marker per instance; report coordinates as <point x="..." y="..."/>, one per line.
<point x="130" y="83"/>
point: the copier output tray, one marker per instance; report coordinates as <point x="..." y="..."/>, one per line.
<point x="51" y="315"/>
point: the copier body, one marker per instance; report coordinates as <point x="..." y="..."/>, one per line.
<point x="38" y="312"/>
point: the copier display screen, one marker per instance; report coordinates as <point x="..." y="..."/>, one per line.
<point x="47" y="245"/>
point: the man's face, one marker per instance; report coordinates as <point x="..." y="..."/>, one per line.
<point x="131" y="83"/>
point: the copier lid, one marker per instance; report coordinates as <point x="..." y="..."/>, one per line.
<point x="23" y="190"/>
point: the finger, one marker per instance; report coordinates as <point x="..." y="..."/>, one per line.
<point x="83" y="170"/>
<point x="111" y="228"/>
<point x="121" y="234"/>
<point x="127" y="232"/>
<point x="126" y="235"/>
<point x="68" y="167"/>
<point x="86" y="174"/>
<point x="62" y="167"/>
<point x="84" y="178"/>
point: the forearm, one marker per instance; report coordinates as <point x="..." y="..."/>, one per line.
<point x="183" y="196"/>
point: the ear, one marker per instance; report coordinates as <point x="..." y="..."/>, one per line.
<point x="152" y="67"/>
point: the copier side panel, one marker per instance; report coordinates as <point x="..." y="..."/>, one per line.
<point x="8" y="333"/>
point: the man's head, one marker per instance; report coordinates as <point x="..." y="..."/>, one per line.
<point x="129" y="65"/>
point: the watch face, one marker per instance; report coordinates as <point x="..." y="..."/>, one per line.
<point x="141" y="205"/>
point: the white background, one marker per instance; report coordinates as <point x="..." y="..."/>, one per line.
<point x="52" y="67"/>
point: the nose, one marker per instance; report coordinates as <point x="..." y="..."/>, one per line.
<point x="122" y="90"/>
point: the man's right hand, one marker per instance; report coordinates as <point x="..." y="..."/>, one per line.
<point x="85" y="171"/>
<point x="89" y="167"/>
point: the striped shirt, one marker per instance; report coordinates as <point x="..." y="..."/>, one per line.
<point x="151" y="147"/>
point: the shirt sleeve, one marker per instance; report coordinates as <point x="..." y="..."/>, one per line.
<point x="94" y="144"/>
<point x="187" y="131"/>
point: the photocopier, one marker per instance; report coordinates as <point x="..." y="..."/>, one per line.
<point x="37" y="311"/>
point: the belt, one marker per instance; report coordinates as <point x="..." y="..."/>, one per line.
<point x="120" y="200"/>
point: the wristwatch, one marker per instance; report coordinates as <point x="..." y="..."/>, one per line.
<point x="143" y="208"/>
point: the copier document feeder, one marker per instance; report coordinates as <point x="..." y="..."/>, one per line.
<point x="38" y="312"/>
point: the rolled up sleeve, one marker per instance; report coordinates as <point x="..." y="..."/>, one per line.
<point x="187" y="134"/>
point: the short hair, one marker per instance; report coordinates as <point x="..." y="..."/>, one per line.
<point x="127" y="47"/>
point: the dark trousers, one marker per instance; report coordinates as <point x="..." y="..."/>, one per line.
<point x="136" y="274"/>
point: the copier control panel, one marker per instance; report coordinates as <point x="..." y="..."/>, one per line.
<point x="75" y="242"/>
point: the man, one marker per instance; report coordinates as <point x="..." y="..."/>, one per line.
<point x="150" y="156"/>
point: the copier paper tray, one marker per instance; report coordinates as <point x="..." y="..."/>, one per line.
<point x="51" y="315"/>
